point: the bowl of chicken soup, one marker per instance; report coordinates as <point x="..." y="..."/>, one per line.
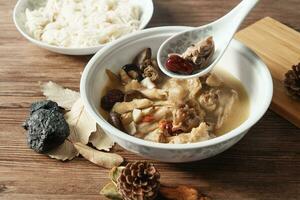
<point x="168" y="119"/>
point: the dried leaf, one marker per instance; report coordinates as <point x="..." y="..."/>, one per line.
<point x="110" y="191"/>
<point x="81" y="122"/>
<point x="114" y="173"/>
<point x="64" y="97"/>
<point x="107" y="160"/>
<point x="100" y="140"/>
<point x="181" y="192"/>
<point x="66" y="151"/>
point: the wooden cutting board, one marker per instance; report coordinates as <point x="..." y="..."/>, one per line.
<point x="279" y="47"/>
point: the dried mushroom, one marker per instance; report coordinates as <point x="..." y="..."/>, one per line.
<point x="115" y="120"/>
<point x="144" y="55"/>
<point x="133" y="94"/>
<point x="133" y="71"/>
<point x="46" y="126"/>
<point x="111" y="97"/>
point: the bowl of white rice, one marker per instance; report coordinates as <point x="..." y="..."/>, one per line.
<point x="80" y="27"/>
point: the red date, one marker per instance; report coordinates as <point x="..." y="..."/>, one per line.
<point x="179" y="65"/>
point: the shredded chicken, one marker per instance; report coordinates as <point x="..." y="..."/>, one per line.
<point x="226" y="102"/>
<point x="209" y="99"/>
<point x="124" y="107"/>
<point x="185" y="118"/>
<point x="213" y="80"/>
<point x="153" y="94"/>
<point x="197" y="134"/>
<point x="200" y="53"/>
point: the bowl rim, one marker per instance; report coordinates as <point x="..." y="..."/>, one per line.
<point x="124" y="136"/>
<point x="86" y="49"/>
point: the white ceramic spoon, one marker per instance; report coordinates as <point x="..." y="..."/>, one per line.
<point x="222" y="31"/>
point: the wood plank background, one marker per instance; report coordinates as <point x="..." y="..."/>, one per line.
<point x="264" y="165"/>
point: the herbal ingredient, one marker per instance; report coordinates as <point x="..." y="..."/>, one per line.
<point x="82" y="129"/>
<point x="46" y="126"/>
<point x="292" y="82"/>
<point x="141" y="181"/>
<point x="194" y="58"/>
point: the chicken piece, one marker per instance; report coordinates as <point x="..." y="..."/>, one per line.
<point x="154" y="93"/>
<point x="155" y="136"/>
<point x="194" y="86"/>
<point x="200" y="53"/>
<point x="226" y="102"/>
<point x="213" y="80"/>
<point x="185" y="118"/>
<point x="124" y="107"/>
<point x="209" y="99"/>
<point x="133" y="85"/>
<point x="181" y="89"/>
<point x="162" y="112"/>
<point x="193" y="103"/>
<point x="197" y="134"/>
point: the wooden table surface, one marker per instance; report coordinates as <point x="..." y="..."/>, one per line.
<point x="264" y="165"/>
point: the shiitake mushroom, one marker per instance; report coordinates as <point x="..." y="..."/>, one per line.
<point x="115" y="120"/>
<point x="141" y="57"/>
<point x="133" y="94"/>
<point x="133" y="71"/>
<point x="112" y="96"/>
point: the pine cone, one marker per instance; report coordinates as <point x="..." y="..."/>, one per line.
<point x="292" y="82"/>
<point x="139" y="181"/>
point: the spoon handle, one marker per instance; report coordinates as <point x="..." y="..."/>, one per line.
<point x="237" y="15"/>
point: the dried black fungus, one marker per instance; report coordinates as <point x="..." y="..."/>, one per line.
<point x="112" y="97"/>
<point x="47" y="105"/>
<point x="133" y="94"/>
<point x="133" y="71"/>
<point x="115" y="120"/>
<point x="46" y="126"/>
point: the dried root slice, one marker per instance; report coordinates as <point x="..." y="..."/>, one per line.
<point x="181" y="192"/>
<point x="106" y="160"/>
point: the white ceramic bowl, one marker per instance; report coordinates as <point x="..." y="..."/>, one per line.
<point x="19" y="20"/>
<point x="238" y="60"/>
